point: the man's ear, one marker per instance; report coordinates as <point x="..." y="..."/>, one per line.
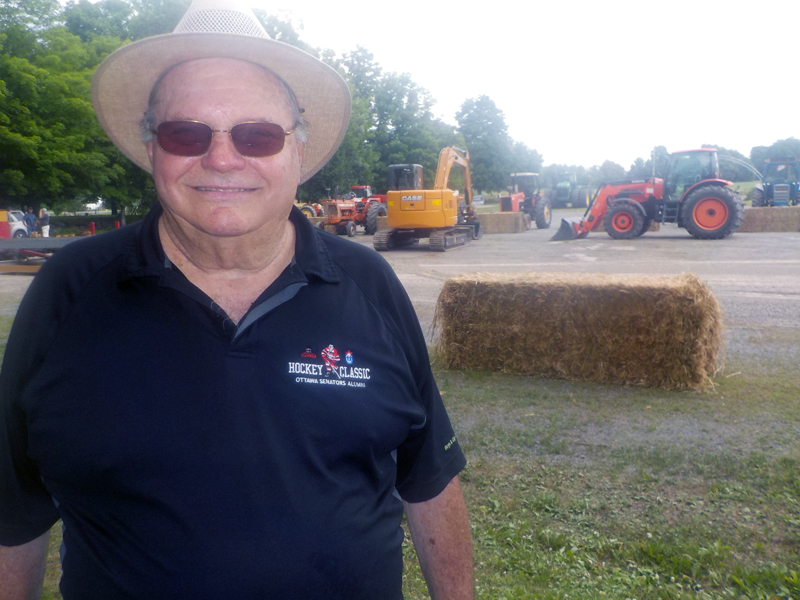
<point x="150" y="148"/>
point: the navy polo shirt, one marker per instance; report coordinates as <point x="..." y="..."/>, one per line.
<point x="189" y="457"/>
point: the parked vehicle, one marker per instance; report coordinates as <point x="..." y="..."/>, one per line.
<point x="780" y="185"/>
<point x="438" y="214"/>
<point x="11" y="224"/>
<point x="525" y="195"/>
<point x="692" y="195"/>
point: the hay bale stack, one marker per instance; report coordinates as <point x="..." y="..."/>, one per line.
<point x="508" y="222"/>
<point x="651" y="331"/>
<point x="771" y="218"/>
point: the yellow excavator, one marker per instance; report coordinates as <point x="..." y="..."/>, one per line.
<point x="441" y="215"/>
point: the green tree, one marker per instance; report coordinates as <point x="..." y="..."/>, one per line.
<point x="732" y="170"/>
<point x="283" y="31"/>
<point x="404" y="128"/>
<point x="353" y="163"/>
<point x="21" y="23"/>
<point x="640" y="169"/>
<point x="490" y="147"/>
<point x="788" y="148"/>
<point x="611" y="171"/>
<point x="105" y="18"/>
<point x="525" y="159"/>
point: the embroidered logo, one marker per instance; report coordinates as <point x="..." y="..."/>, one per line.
<point x="329" y="371"/>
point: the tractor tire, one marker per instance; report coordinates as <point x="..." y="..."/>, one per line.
<point x="758" y="198"/>
<point x="645" y="226"/>
<point x="573" y="197"/>
<point x="584" y="195"/>
<point x="542" y="213"/>
<point x="20" y="234"/>
<point x="375" y="210"/>
<point x="712" y="212"/>
<point x="350" y="229"/>
<point x="308" y="211"/>
<point x="623" y="221"/>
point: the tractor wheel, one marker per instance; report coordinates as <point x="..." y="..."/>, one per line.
<point x="573" y="197"/>
<point x="623" y="221"/>
<point x="350" y="229"/>
<point x="375" y="210"/>
<point x="712" y="212"/>
<point x="308" y="211"/>
<point x="20" y="234"/>
<point x="758" y="198"/>
<point x="584" y="197"/>
<point x="645" y="226"/>
<point x="542" y="213"/>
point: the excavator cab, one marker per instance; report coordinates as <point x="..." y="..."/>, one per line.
<point x="405" y="177"/>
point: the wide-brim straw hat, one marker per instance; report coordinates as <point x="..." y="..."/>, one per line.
<point x="214" y="29"/>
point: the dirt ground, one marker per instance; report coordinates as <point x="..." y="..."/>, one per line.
<point x="755" y="276"/>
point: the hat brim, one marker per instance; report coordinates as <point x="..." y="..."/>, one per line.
<point x="122" y="83"/>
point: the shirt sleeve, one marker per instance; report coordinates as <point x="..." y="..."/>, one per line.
<point x="431" y="455"/>
<point x="26" y="508"/>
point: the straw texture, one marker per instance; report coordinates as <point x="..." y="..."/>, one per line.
<point x="650" y="331"/>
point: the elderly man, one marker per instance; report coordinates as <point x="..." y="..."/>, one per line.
<point x="163" y="392"/>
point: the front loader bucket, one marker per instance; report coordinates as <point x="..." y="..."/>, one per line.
<point x="567" y="231"/>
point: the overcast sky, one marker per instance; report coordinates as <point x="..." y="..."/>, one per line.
<point x="583" y="82"/>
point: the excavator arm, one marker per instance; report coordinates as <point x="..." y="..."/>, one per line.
<point x="447" y="158"/>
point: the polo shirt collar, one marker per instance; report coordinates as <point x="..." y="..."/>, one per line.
<point x="145" y="256"/>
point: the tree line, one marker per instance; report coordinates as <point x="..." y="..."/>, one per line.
<point x="53" y="152"/>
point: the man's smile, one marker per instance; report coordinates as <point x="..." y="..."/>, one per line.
<point x="204" y="188"/>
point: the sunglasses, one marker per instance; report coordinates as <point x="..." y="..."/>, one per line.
<point x="193" y="138"/>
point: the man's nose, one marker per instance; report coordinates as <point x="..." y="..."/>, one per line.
<point x="222" y="154"/>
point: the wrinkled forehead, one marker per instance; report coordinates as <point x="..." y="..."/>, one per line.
<point x="206" y="71"/>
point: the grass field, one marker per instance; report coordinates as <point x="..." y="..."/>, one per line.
<point x="597" y="491"/>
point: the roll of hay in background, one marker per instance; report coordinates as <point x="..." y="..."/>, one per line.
<point x="652" y="331"/>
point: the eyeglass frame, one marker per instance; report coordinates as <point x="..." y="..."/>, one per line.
<point x="228" y="131"/>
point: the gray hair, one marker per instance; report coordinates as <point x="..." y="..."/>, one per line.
<point x="148" y="122"/>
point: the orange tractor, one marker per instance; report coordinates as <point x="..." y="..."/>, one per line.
<point x="691" y="195"/>
<point x="358" y="207"/>
<point x="525" y="195"/>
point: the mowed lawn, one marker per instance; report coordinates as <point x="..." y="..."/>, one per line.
<point x="580" y="490"/>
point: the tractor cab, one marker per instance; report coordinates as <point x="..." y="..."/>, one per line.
<point x="686" y="169"/>
<point x="782" y="171"/>
<point x="361" y="192"/>
<point x="405" y="177"/>
<point x="527" y="183"/>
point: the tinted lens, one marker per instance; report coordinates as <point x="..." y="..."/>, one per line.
<point x="184" y="138"/>
<point x="191" y="138"/>
<point x="258" y="139"/>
